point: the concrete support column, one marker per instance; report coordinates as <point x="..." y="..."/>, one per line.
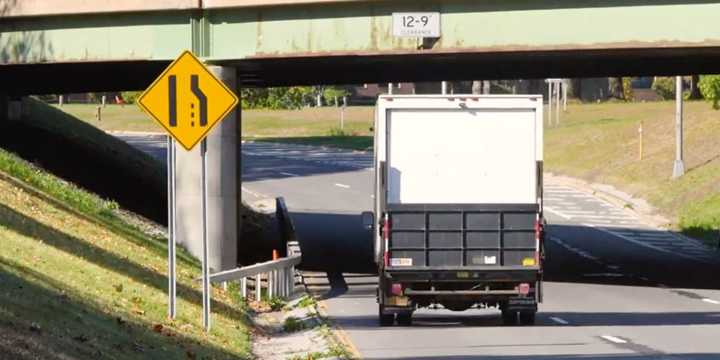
<point x="222" y="172"/>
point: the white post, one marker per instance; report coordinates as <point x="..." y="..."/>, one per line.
<point x="104" y="100"/>
<point x="342" y="117"/>
<point x="243" y="287"/>
<point x="679" y="165"/>
<point x="390" y="88"/>
<point x="258" y="288"/>
<point x="61" y="100"/>
<point x="443" y="87"/>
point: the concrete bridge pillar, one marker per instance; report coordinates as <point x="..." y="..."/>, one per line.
<point x="223" y="195"/>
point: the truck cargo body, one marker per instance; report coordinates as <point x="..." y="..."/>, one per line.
<point x="458" y="204"/>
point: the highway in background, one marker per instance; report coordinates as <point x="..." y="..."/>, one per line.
<point x="617" y="288"/>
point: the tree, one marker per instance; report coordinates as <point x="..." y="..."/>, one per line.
<point x="710" y="88"/>
<point x="617" y="90"/>
<point x="695" y="93"/>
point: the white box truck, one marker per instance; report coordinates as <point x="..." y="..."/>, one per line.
<point x="458" y="217"/>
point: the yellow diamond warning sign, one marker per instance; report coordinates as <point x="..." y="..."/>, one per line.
<point x="187" y="100"/>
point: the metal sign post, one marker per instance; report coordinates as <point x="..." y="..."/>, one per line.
<point x="205" y="267"/>
<point x="188" y="101"/>
<point x="172" y="288"/>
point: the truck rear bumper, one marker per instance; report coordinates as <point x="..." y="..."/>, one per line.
<point x="493" y="275"/>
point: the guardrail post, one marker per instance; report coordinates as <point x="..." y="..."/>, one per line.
<point x="258" y="288"/>
<point x="243" y="288"/>
<point x="283" y="284"/>
<point x="271" y="284"/>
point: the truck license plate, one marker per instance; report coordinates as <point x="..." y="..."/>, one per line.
<point x="416" y="24"/>
<point x="400" y="262"/>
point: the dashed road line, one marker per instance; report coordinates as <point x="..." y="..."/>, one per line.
<point x="614" y="339"/>
<point x="559" y="320"/>
<point x="288" y="174"/>
<point x="258" y="195"/>
<point x="342" y="185"/>
<point x="711" y="301"/>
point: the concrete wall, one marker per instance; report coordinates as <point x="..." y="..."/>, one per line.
<point x="222" y="175"/>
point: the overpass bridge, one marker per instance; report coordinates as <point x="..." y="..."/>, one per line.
<point x="93" y="45"/>
<point x="86" y="45"/>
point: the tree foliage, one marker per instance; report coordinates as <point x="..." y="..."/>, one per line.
<point x="289" y="97"/>
<point x="710" y="88"/>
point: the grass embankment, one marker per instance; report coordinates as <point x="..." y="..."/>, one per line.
<point x="84" y="155"/>
<point x="311" y="126"/>
<point x="600" y="143"/>
<point x="77" y="281"/>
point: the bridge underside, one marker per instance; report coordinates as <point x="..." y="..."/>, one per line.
<point x="351" y="41"/>
<point x="123" y="75"/>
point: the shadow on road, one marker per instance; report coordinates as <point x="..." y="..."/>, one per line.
<point x="338" y="243"/>
<point x="583" y="254"/>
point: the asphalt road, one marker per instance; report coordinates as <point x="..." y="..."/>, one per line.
<point x="617" y="288"/>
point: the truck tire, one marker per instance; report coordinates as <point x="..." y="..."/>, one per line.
<point x="527" y="318"/>
<point x="509" y="318"/>
<point x="404" y="319"/>
<point x="385" y="319"/>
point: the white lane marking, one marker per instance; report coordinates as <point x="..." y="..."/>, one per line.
<point x="575" y="250"/>
<point x="557" y="212"/>
<point x="559" y="320"/>
<point x="614" y="339"/>
<point x="711" y="301"/>
<point x="251" y="192"/>
<point x="288" y="174"/>
<point x="643" y="243"/>
<point x="342" y="186"/>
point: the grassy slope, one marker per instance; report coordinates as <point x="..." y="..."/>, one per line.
<point x="72" y="287"/>
<point x="600" y="142"/>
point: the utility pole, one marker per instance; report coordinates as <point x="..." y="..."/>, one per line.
<point x="678" y="166"/>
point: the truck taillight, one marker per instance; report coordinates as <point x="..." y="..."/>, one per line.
<point x="386" y="239"/>
<point x="538" y="240"/>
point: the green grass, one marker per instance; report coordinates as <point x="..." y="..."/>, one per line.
<point x="114" y="117"/>
<point x="600" y="143"/>
<point x="73" y="287"/>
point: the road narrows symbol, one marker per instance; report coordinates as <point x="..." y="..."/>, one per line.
<point x="172" y="101"/>
<point x="195" y="87"/>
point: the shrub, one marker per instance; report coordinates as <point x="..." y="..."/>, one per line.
<point x="710" y="89"/>
<point x="664" y="87"/>
<point x="130" y="96"/>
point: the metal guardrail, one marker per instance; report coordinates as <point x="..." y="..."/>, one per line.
<point x="279" y="274"/>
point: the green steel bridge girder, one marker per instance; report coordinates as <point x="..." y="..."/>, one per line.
<point x="360" y="28"/>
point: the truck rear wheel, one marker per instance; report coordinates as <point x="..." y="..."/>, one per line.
<point x="385" y="319"/>
<point x="404" y="319"/>
<point x="527" y="318"/>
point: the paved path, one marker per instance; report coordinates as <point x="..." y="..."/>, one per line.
<point x="617" y="288"/>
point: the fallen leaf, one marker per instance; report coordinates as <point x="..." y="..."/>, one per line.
<point x="158" y="328"/>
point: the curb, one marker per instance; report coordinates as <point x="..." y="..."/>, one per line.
<point x="337" y="330"/>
